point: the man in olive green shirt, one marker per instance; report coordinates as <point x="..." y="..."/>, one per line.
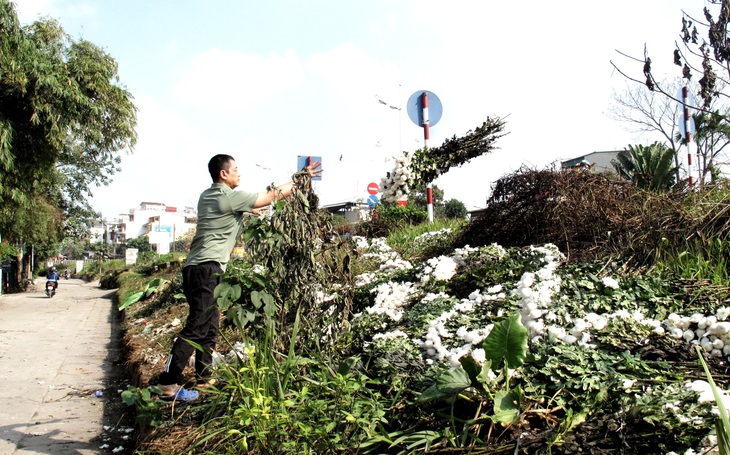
<point x="220" y="212"/>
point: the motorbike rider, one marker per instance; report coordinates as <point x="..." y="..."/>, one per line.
<point x="53" y="277"/>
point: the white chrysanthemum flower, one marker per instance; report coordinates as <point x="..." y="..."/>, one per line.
<point x="389" y="299"/>
<point x="674" y="319"/>
<point x="479" y="355"/>
<point x="497" y="288"/>
<point x="723" y="313"/>
<point x="610" y="282"/>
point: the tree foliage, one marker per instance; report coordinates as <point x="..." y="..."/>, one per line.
<point x="648" y="167"/>
<point x="454" y="209"/>
<point x="451" y="209"/>
<point x="141" y="243"/>
<point x="418" y="199"/>
<point x="712" y="136"/>
<point x="64" y="119"/>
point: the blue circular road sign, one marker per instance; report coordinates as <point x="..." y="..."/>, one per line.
<point x="414" y="107"/>
<point x="372" y="200"/>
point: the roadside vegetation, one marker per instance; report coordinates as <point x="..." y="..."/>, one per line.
<point x="416" y="340"/>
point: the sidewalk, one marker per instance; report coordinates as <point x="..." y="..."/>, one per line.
<point x="61" y="374"/>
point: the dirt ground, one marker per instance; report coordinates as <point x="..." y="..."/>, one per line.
<point x="62" y="370"/>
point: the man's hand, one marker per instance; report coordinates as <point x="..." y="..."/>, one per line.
<point x="313" y="170"/>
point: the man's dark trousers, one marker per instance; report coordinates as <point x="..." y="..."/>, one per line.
<point x="199" y="282"/>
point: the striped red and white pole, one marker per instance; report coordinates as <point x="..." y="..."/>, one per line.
<point x="687" y="133"/>
<point x="429" y="185"/>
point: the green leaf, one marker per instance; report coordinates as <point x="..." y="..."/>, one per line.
<point x="221" y="290"/>
<point x="131" y="300"/>
<point x="157" y="282"/>
<point x="483" y="376"/>
<point x="722" y="424"/>
<point x="448" y="384"/>
<point x="149" y="291"/>
<point x="235" y="293"/>
<point x="507" y="341"/>
<point x="129" y="397"/>
<point x="257" y="299"/>
<point x="471" y="367"/>
<point x="507" y="406"/>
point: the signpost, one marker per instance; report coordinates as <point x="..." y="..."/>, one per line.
<point x="424" y="109"/>
<point x="687" y="128"/>
<point x="304" y="161"/>
<point x="372" y="201"/>
<point x="373" y="190"/>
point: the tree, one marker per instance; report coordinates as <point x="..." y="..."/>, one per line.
<point x="417" y="196"/>
<point x="64" y="120"/>
<point x="183" y="242"/>
<point x="74" y="248"/>
<point x="451" y="209"/>
<point x="454" y="209"/>
<point x="650" y="113"/>
<point x="706" y="57"/>
<point x="712" y="136"/>
<point x="648" y="167"/>
<point x="141" y="243"/>
<point x="653" y="113"/>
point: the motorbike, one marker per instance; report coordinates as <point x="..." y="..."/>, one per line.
<point x="50" y="289"/>
<point x="66" y="274"/>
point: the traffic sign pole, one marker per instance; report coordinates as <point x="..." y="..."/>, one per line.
<point x="426" y="136"/>
<point x="418" y="110"/>
<point x="687" y="134"/>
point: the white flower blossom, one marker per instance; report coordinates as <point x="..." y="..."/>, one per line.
<point x="610" y="282"/>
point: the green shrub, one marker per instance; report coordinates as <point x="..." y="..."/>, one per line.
<point x="386" y="219"/>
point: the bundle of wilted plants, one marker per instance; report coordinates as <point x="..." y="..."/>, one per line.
<point x="587" y="216"/>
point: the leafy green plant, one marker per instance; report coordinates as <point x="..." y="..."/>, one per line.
<point x="243" y="295"/>
<point x="278" y="404"/>
<point x="391" y="218"/>
<point x="146" y="293"/>
<point x="146" y="406"/>
<point x="699" y="260"/>
<point x="648" y="167"/>
<point x="722" y="423"/>
<point x="506" y="349"/>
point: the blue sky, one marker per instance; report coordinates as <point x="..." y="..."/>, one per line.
<point x="267" y="81"/>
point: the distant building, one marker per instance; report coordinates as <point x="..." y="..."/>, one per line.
<point x="599" y="161"/>
<point x="163" y="225"/>
<point x="354" y="212"/>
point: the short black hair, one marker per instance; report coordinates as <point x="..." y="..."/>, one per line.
<point x="217" y="164"/>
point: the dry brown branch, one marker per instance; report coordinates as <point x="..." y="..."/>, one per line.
<point x="587" y="216"/>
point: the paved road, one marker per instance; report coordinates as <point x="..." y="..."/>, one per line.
<point x="54" y="355"/>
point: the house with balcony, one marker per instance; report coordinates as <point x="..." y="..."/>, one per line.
<point x="161" y="223"/>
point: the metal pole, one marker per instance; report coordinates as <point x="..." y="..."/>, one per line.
<point x="687" y="134"/>
<point x="429" y="185"/>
